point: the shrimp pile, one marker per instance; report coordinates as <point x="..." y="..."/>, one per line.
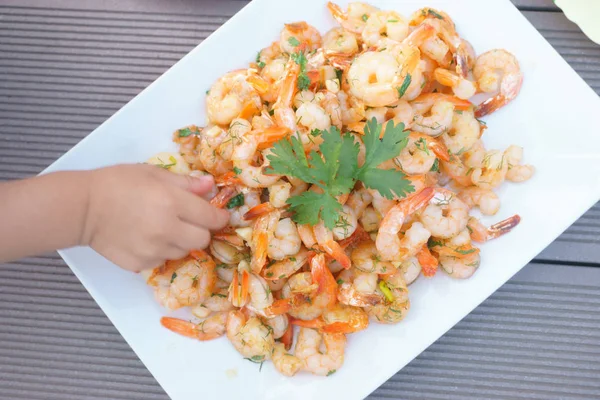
<point x="266" y="273"/>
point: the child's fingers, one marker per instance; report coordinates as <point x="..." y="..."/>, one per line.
<point x="199" y="212"/>
<point x="190" y="237"/>
<point x="198" y="185"/>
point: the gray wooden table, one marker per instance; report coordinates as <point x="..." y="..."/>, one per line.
<point x="67" y="65"/>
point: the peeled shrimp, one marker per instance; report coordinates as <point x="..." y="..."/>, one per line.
<point x="286" y="363"/>
<point x="487" y="201"/>
<point x="339" y="40"/>
<point x="228" y="96"/>
<point x="250" y="336"/>
<point x="356" y="16"/>
<point x="497" y="71"/>
<point x="446" y="215"/>
<point x="383" y="26"/>
<point x="315" y="361"/>
<point x="209" y="329"/>
<point x="299" y="34"/>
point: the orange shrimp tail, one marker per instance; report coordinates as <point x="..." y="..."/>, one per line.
<point x="258" y="83"/>
<point x="490" y="105"/>
<point x="316" y="323"/>
<point x="231" y="239"/>
<point x="356" y="323"/>
<point x="238" y="294"/>
<point x="288" y="86"/>
<point x="429" y="264"/>
<point x="461" y="58"/>
<point x="420" y="199"/>
<point x="187" y="329"/>
<point x="321" y="274"/>
<point x="224" y="195"/>
<point x="337" y="253"/>
<point x="359" y="236"/>
<point x="259" y="256"/>
<point x="199" y="254"/>
<point x="270" y="135"/>
<point x="228" y="178"/>
<point x="250" y="109"/>
<point x="257" y="211"/>
<point x="288" y="337"/>
<point x="278" y="307"/>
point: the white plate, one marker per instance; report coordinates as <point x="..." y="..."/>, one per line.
<point x="552" y="118"/>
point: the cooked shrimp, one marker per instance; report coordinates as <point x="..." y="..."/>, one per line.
<point x="462" y="88"/>
<point x="366" y="258"/>
<point x="228" y="96"/>
<point x="339" y="40"/>
<point x="209" y="329"/>
<point x="353" y="109"/>
<point x="438" y="122"/>
<point x="446" y="215"/>
<point x="355" y="18"/>
<point x="358" y="289"/>
<point x="492" y="172"/>
<point x="463" y="134"/>
<point x="427" y="261"/>
<point x="370" y="219"/>
<point x="388" y="243"/>
<point x="346" y="224"/>
<point x="338" y="319"/>
<point x="309" y="352"/>
<point x="299" y="35"/>
<point x="383" y="26"/>
<point x="480" y="233"/>
<point x="252" y="176"/>
<point x="287" y="364"/>
<point x="420" y="153"/>
<point x="497" y="71"/>
<point x="312" y="116"/>
<point x="411" y="268"/>
<point x="325" y="240"/>
<point x="517" y="172"/>
<point x="236" y="215"/>
<point x="287" y="266"/>
<point x="373" y="78"/>
<point x="250" y="337"/>
<point x="487" y="201"/>
<point x="395" y="304"/>
<point x="460" y="268"/>
<point x="285" y="241"/>
<point x="262" y="234"/>
<point x="184" y="282"/>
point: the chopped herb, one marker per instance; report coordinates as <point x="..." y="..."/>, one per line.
<point x="173" y="276"/>
<point x="480" y="121"/>
<point x="258" y="61"/>
<point x="392" y="20"/>
<point x="237" y="171"/>
<point x="185" y="132"/>
<point x="469" y="171"/>
<point x="281" y="276"/>
<point x="335" y="169"/>
<point x="222" y="265"/>
<point x="434" y="14"/>
<point x="293" y="41"/>
<point x="402" y="89"/>
<point x="458" y="111"/>
<point x="269" y="274"/>
<point x="315" y="132"/>
<point x="256" y="359"/>
<point x="293" y="259"/>
<point x="470" y="229"/>
<point x="386" y="291"/>
<point x="338" y="74"/>
<point x="365" y="17"/>
<point x="434" y="243"/>
<point x="303" y="79"/>
<point x="436" y="166"/>
<point x="424" y="83"/>
<point x="331" y="372"/>
<point x="465" y="252"/>
<point x="271" y="112"/>
<point x="235" y="201"/>
<point x="167" y="166"/>
<point x="219" y="295"/>
<point x="340" y="281"/>
<point x="421" y="144"/>
<point x="208" y="92"/>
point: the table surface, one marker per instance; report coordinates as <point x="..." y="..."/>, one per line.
<point x="67" y="65"/>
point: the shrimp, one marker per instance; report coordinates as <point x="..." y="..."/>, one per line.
<point x="358" y="201"/>
<point x="420" y="153"/>
<point x="358" y="289"/>
<point x="262" y="235"/>
<point x="184" y="282"/>
<point x="480" y="233"/>
<point x="401" y="112"/>
<point x="331" y="104"/>
<point x="236" y="215"/>
<point x="464" y="133"/>
<point x="317" y="362"/>
<point x="366" y="258"/>
<point x="370" y="219"/>
<point x="325" y="240"/>
<point x="299" y="35"/>
<point x="210" y="155"/>
<point x="338" y="319"/>
<point x="210" y="328"/>
<point x="395" y="304"/>
<point x="462" y="88"/>
<point x="372" y="78"/>
<point x="312" y="116"/>
<point x="517" y="172"/>
<point x="225" y="252"/>
<point x="228" y="96"/>
<point x="497" y="71"/>
<point x="346" y="224"/>
<point x="355" y="18"/>
<point x="287" y="364"/>
<point x="339" y="40"/>
<point x="388" y="243"/>
<point x="384" y="26"/>
<point x="411" y="268"/>
<point x="487" y="201"/>
<point x="438" y="122"/>
<point x="286" y="267"/>
<point x="492" y="171"/>
<point x="285" y="240"/>
<point x="460" y="268"/>
<point x="427" y="261"/>
<point x="446" y="215"/>
<point x="353" y="109"/>
<point x="250" y="336"/>
<point x="250" y="175"/>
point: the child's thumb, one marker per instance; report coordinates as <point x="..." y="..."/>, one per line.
<point x="199" y="185"/>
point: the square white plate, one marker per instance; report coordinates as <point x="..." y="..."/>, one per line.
<point x="552" y="119"/>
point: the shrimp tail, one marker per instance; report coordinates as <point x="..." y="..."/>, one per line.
<point x="479" y="233"/>
<point x="257" y="211"/>
<point x="187" y="329"/>
<point x="321" y="274"/>
<point x="223" y="197"/>
<point x="429" y="264"/>
<point x="238" y="294"/>
<point x="337" y="253"/>
<point x="278" y="307"/>
<point x="288" y="337"/>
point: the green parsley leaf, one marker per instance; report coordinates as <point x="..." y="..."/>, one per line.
<point x="434" y="14"/>
<point x="293" y="41"/>
<point x="365" y="17"/>
<point x="185" y="132"/>
<point x="173" y="276"/>
<point x="436" y="166"/>
<point x="303" y="81"/>
<point x="311" y="207"/>
<point x="238" y="171"/>
<point x="235" y="201"/>
<point x="256" y="359"/>
<point x="331" y="372"/>
<point x="405" y="84"/>
<point x="315" y="132"/>
<point x="258" y="61"/>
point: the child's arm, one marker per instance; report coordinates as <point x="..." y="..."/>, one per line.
<point x="135" y="215"/>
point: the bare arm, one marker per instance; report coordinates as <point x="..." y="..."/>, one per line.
<point x="135" y="215"/>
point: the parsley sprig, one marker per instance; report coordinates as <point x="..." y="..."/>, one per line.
<point x="303" y="79"/>
<point x="335" y="170"/>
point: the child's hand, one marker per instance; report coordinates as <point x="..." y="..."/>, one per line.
<point x="140" y="215"/>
